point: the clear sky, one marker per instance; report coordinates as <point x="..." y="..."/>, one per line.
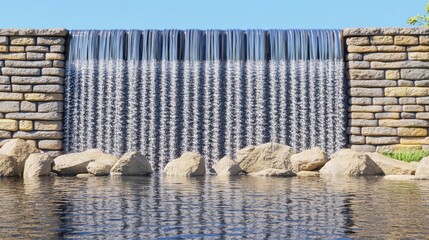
<point x="204" y="14"/>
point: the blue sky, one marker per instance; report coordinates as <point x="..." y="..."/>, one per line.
<point x="203" y="14"/>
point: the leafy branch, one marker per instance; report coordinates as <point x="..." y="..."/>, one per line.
<point x="420" y="20"/>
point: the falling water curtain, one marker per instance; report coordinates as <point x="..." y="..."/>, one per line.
<point x="212" y="92"/>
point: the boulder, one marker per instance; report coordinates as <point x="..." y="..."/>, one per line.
<point x="132" y="164"/>
<point x="308" y="160"/>
<point x="102" y="165"/>
<point x="8" y="166"/>
<point x="405" y="177"/>
<point x="273" y="172"/>
<point x="188" y="165"/>
<point x="74" y="163"/>
<point x="269" y="155"/>
<point x="347" y="162"/>
<point x="392" y="166"/>
<point x="226" y="167"/>
<point x="308" y="174"/>
<point x="423" y="167"/>
<point x="20" y="150"/>
<point x="38" y="164"/>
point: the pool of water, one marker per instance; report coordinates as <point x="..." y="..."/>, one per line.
<point x="213" y="207"/>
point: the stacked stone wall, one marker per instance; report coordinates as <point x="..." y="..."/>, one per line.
<point x="388" y="70"/>
<point x="32" y="68"/>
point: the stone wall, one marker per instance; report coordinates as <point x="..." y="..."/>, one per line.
<point x="32" y="66"/>
<point x="388" y="71"/>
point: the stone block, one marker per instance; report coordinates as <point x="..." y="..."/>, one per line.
<point x="12" y="56"/>
<point x="25" y="125"/>
<point x="8" y="124"/>
<point x="421" y="83"/>
<point x="373" y="108"/>
<point x="55" y="56"/>
<point x="412" y="132"/>
<point x="422" y="115"/>
<point x="357" y="139"/>
<point x="9" y="106"/>
<point x="418" y="49"/>
<point x="51" y="88"/>
<point x="390" y="48"/>
<point x="404" y="123"/>
<point x="354" y="57"/>
<point x="16" y="49"/>
<point x="361" y="115"/>
<point x="50" y="107"/>
<point x="382" y="140"/>
<point x="424" y="40"/>
<point x="37" y="80"/>
<point x="406" y="92"/>
<point x="4" y="49"/>
<point x="59" y="64"/>
<point x="5" y="88"/>
<point x="408" y="115"/>
<point x="415" y="140"/>
<point x="53" y="72"/>
<point x="363" y="148"/>
<point x="21" y="88"/>
<point x="357" y="41"/>
<point x="360" y="100"/>
<point x="379" y="131"/>
<point x="28" y="64"/>
<point x="20" y="71"/>
<point x="406" y="40"/>
<point x="362" y="123"/>
<point x="28" y="106"/>
<point x="385" y="101"/>
<point x="413" y="108"/>
<point x="57" y="49"/>
<point x="50" y="144"/>
<point x="387" y="115"/>
<point x="353" y="130"/>
<point x="358" y="64"/>
<point x="415" y="74"/>
<point x="42" y="97"/>
<point x="407" y="100"/>
<point x="4" y="79"/>
<point x="399" y="65"/>
<point x="420" y="56"/>
<point x="422" y="100"/>
<point x="405" y="83"/>
<point x="4" y="134"/>
<point x="35" y="135"/>
<point x="385" y="57"/>
<point x="366" y="92"/>
<point x="4" y="40"/>
<point x="50" y="41"/>
<point x="361" y="49"/>
<point x="35" y="116"/>
<point x="42" y="49"/>
<point x="35" y="56"/>
<point x="22" y="40"/>
<point x="11" y="96"/>
<point x="372" y="83"/>
<point x="381" y="40"/>
<point x="359" y="74"/>
<point x="393" y="75"/>
<point x="48" y="125"/>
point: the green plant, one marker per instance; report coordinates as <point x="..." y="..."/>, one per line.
<point x="420" y="20"/>
<point x="407" y="155"/>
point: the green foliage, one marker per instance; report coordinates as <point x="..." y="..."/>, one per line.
<point x="420" y="20"/>
<point x="407" y="155"/>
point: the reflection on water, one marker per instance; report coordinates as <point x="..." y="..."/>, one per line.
<point x="212" y="207"/>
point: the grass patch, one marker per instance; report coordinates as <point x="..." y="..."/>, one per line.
<point x="407" y="155"/>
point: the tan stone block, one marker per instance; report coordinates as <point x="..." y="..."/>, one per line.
<point x="379" y="131"/>
<point x="357" y="41"/>
<point x="390" y="48"/>
<point x="366" y="92"/>
<point x="43" y="97"/>
<point x="35" y="135"/>
<point x="380" y="40"/>
<point x="422" y="115"/>
<point x="392" y="108"/>
<point x="361" y="115"/>
<point x="399" y="64"/>
<point x="414" y="141"/>
<point x="368" y="109"/>
<point x="25" y="125"/>
<point x="48" y="125"/>
<point x="382" y="140"/>
<point x="413" y="108"/>
<point x="55" y="56"/>
<point x="418" y="56"/>
<point x="20" y="71"/>
<point x="392" y="74"/>
<point x="419" y="48"/>
<point x="16" y="49"/>
<point x="4" y="49"/>
<point x="403" y="123"/>
<point x="385" y="57"/>
<point x="406" y="40"/>
<point x="385" y="101"/>
<point x="51" y="40"/>
<point x="353" y="130"/>
<point x="12" y="56"/>
<point x="362" y="123"/>
<point x="8" y="124"/>
<point x="4" y="40"/>
<point x="4" y="134"/>
<point x="11" y="96"/>
<point x="22" y="41"/>
<point x="354" y="57"/>
<point x="359" y="74"/>
<point x="37" y="49"/>
<point x="361" y="49"/>
<point x="50" y="144"/>
<point x="424" y="40"/>
<point x="387" y="115"/>
<point x="353" y="139"/>
<point x="406" y="91"/>
<point x="412" y="132"/>
<point x="360" y="100"/>
<point x="358" y="64"/>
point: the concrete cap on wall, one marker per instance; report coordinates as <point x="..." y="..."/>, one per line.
<point x="34" y="32"/>
<point x="349" y="32"/>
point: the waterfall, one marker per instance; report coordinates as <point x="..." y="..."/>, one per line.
<point x="212" y="92"/>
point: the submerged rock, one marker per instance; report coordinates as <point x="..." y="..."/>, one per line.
<point x="132" y="164"/>
<point x="19" y="150"/>
<point x="8" y="166"/>
<point x="405" y="177"/>
<point x="308" y="174"/>
<point x="226" y="167"/>
<point x="423" y="167"/>
<point x="273" y="172"/>
<point x="74" y="163"/>
<point x="392" y="166"/>
<point x="308" y="160"/>
<point x="347" y="162"/>
<point x="269" y="155"/>
<point x="188" y="165"/>
<point x="38" y="164"/>
<point x="102" y="165"/>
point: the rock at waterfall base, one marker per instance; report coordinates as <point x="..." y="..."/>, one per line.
<point x="423" y="167"/>
<point x="20" y="150"/>
<point x="8" y="166"/>
<point x="269" y="155"/>
<point x="74" y="163"/>
<point x="190" y="164"/>
<point x="273" y="172"/>
<point x="226" y="167"/>
<point x="347" y="162"/>
<point x="102" y="166"/>
<point x="392" y="166"/>
<point x="132" y="164"/>
<point x="308" y="174"/>
<point x="38" y="164"/>
<point x="405" y="177"/>
<point x="308" y="160"/>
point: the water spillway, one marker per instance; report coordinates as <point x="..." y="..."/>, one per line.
<point x="212" y="92"/>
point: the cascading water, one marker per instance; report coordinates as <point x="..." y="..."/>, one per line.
<point x="212" y="92"/>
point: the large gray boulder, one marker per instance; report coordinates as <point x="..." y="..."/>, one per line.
<point x="132" y="164"/>
<point x="392" y="166"/>
<point x="37" y="165"/>
<point x="8" y="166"/>
<point x="308" y="160"/>
<point x="269" y="155"/>
<point x="20" y="150"/>
<point x="226" y="167"/>
<point x="273" y="172"/>
<point x="423" y="167"/>
<point x="102" y="165"/>
<point x="188" y="165"/>
<point x="347" y="162"/>
<point x="75" y="163"/>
